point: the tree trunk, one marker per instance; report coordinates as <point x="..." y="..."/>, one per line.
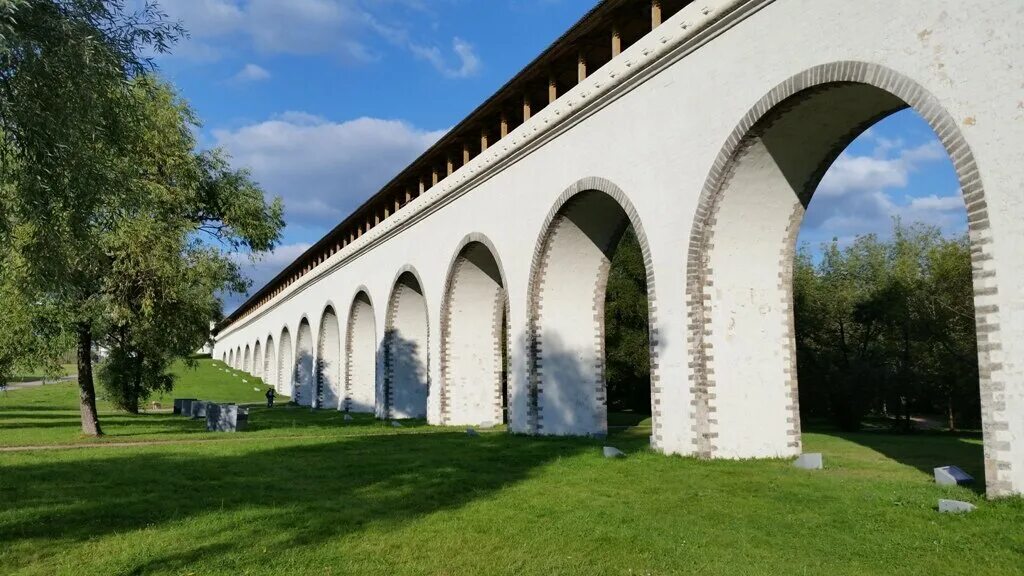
<point x="949" y="413"/>
<point x="86" y="389"/>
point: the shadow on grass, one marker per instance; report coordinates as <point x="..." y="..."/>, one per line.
<point x="924" y="451"/>
<point x="303" y="494"/>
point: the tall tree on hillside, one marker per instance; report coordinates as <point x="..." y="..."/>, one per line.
<point x="104" y="200"/>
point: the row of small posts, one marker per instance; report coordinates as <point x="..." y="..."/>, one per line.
<point x="219" y="417"/>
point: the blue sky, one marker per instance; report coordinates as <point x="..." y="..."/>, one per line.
<point x="325" y="100"/>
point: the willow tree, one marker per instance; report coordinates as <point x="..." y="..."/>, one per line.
<point x="112" y="223"/>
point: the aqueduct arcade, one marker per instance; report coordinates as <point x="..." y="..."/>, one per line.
<point x="470" y="289"/>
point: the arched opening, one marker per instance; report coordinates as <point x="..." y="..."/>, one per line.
<point x="302" y="391"/>
<point x="238" y="358"/>
<point x="270" y="369"/>
<point x="406" y="383"/>
<point x="246" y="363"/>
<point x="285" y="366"/>
<point x="473" y="342"/>
<point x="361" y="356"/>
<point x="569" y="392"/>
<point x="231" y="358"/>
<point x="224" y="357"/>
<point x="328" y="362"/>
<point x="741" y="258"/>
<point x="257" y="360"/>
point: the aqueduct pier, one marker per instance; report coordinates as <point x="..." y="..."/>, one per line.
<point x="704" y="125"/>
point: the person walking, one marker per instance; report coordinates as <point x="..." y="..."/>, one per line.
<point x="270" y="397"/>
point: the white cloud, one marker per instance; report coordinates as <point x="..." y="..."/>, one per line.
<point x="251" y="73"/>
<point x="858" y="194"/>
<point x="469" y="62"/>
<point x="324" y="169"/>
<point x="350" y="30"/>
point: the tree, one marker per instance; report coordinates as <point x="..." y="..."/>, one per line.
<point x="887" y="328"/>
<point x="108" y="210"/>
<point x="627" y="339"/>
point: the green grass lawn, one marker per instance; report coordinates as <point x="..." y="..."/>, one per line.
<point x="306" y="493"/>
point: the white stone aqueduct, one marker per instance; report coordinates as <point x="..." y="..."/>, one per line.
<point x="708" y="135"/>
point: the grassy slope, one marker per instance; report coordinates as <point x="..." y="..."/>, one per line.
<point x="36" y="375"/>
<point x="445" y="503"/>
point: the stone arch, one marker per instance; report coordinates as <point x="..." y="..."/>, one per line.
<point x="406" y="368"/>
<point x="565" y="339"/>
<point x="474" y="372"/>
<point x="361" y="355"/>
<point x="270" y="371"/>
<point x="246" y="360"/>
<point x="328" y="361"/>
<point x="740" y="258"/>
<point x="224" y="357"/>
<point x="285" y="359"/>
<point x="257" y="360"/>
<point x="303" y="388"/>
<point x="231" y="357"/>
<point x="238" y="358"/>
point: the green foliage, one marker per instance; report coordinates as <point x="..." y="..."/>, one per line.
<point x="887" y="328"/>
<point x="114" y="229"/>
<point x="627" y="338"/>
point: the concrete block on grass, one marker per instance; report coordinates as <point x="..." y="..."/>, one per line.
<point x="612" y="452"/>
<point x="955" y="506"/>
<point x="809" y="461"/>
<point x="952" y="476"/>
<point x="179" y="404"/>
<point x="226" y="418"/>
<point x="199" y="408"/>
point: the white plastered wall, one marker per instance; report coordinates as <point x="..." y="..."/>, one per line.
<point x="328" y="361"/>
<point x="406" y="350"/>
<point x="473" y="339"/>
<point x="361" y="357"/>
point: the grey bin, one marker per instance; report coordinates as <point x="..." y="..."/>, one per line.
<point x="226" y="418"/>
<point x="199" y="408"/>
<point x="179" y="404"/>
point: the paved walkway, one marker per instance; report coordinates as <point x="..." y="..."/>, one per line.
<point x="35" y="383"/>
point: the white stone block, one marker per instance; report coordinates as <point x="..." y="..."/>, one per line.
<point x="809" y="461"/>
<point x="955" y="506"/>
<point x="952" y="476"/>
<point x="611" y="452"/>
